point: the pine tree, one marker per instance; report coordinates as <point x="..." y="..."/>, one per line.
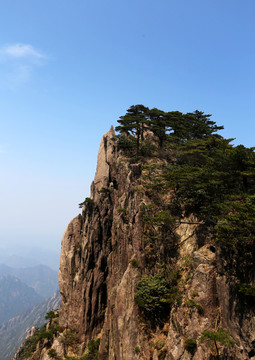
<point x="134" y="122"/>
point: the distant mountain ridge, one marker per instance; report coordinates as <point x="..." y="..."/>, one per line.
<point x="13" y="332"/>
<point x="15" y="296"/>
<point x="18" y="256"/>
<point x="41" y="278"/>
<point x="25" y="298"/>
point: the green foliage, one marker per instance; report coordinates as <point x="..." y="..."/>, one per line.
<point x="87" y="202"/>
<point x="193" y="303"/>
<point x="46" y="335"/>
<point x="159" y="124"/>
<point x="126" y="142"/>
<point x="69" y="338"/>
<point x="92" y="350"/>
<point x="221" y="336"/>
<point x="53" y="354"/>
<point x="194" y="294"/>
<point x="133" y="123"/>
<point x="165" y="125"/>
<point x="51" y="315"/>
<point x="155" y="295"/>
<point x="105" y="191"/>
<point x="137" y="349"/>
<point x="162" y="354"/>
<point x="30" y="343"/>
<point x="196" y="125"/>
<point x="147" y="149"/>
<point x="122" y="211"/>
<point x="199" y="177"/>
<point x="162" y="217"/>
<point x="246" y="289"/>
<point x="158" y="345"/>
<point x="236" y="237"/>
<point x="29" y="346"/>
<point x="239" y="224"/>
<point x="134" y="263"/>
<point x="190" y="345"/>
<point x="204" y="175"/>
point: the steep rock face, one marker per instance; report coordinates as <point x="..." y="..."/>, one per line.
<point x="103" y="256"/>
<point x="96" y="280"/>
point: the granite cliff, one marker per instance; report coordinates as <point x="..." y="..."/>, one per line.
<point x="129" y="244"/>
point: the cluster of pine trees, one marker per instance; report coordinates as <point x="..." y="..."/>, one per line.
<point x="210" y="177"/>
<point x="172" y="125"/>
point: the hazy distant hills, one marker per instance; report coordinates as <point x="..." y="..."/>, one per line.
<point x="22" y="303"/>
<point x="41" y="278"/>
<point x="15" y="296"/>
<point x="13" y="332"/>
<point x="21" y="256"/>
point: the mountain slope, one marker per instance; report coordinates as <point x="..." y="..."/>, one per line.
<point x="15" y="296"/>
<point x="14" y="331"/>
<point x="41" y="278"/>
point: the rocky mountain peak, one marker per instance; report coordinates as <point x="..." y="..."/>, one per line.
<point x="141" y="269"/>
<point x="105" y="155"/>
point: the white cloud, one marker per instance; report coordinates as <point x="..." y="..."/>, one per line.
<point x="21" y="51"/>
<point x="18" y="63"/>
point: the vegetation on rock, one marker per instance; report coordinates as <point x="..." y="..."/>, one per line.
<point x="92" y="350"/>
<point x="176" y="212"/>
<point x="205" y="175"/>
<point x="190" y="345"/>
<point x="31" y="342"/>
<point x="221" y="336"/>
<point x="153" y="294"/>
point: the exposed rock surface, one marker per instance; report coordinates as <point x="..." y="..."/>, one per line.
<point x="97" y="278"/>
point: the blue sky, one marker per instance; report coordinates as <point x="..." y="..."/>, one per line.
<point x="69" y="69"/>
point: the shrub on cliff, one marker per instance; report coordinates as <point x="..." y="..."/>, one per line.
<point x="53" y="354"/>
<point x="92" y="350"/>
<point x="190" y="345"/>
<point x="31" y="342"/>
<point x="154" y="295"/>
<point x="220" y="336"/>
<point x="69" y="338"/>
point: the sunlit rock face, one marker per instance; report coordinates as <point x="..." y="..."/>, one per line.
<point x="96" y="280"/>
<point x="103" y="258"/>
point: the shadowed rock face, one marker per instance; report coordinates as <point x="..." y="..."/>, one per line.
<point x="97" y="281"/>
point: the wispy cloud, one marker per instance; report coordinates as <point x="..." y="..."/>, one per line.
<point x="22" y="51"/>
<point x="19" y="62"/>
